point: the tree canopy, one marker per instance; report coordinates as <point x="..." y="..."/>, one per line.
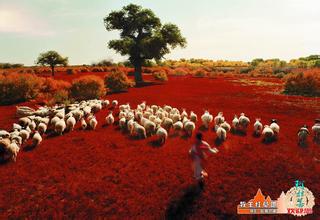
<point x="52" y="58"/>
<point x="142" y="36"/>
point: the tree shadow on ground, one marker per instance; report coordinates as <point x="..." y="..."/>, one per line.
<point x="180" y="208"/>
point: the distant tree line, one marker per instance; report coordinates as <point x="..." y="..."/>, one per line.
<point x="10" y="65"/>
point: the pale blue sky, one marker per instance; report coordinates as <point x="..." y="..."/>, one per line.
<point x="215" y="29"/>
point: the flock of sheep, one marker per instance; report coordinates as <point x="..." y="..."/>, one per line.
<point x="142" y="121"/>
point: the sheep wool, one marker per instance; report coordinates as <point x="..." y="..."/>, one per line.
<point x="267" y="133"/>
<point x="257" y="127"/>
<point x="162" y="135"/>
<point x="13" y="149"/>
<point x="42" y="127"/>
<point x="24" y="134"/>
<point x="206" y="119"/>
<point x="221" y="133"/>
<point x="110" y="119"/>
<point x="36" y="139"/>
<point x="60" y="126"/>
<point x="193" y="117"/>
<point x="83" y="123"/>
<point x="93" y="123"/>
<point x="71" y="122"/>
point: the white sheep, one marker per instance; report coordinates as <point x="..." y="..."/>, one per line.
<point x="235" y="122"/>
<point x="68" y="115"/>
<point x="206" y="119"/>
<point x="16" y="127"/>
<point x="60" y="126"/>
<point x="71" y="122"/>
<point x="139" y="130"/>
<point x="162" y="135"/>
<point x="167" y="108"/>
<point x="189" y="127"/>
<point x="267" y="133"/>
<point x="130" y="126"/>
<point x="142" y="105"/>
<point x="302" y="135"/>
<point x="129" y="115"/>
<point x="24" y="122"/>
<point x="147" y="114"/>
<point x="193" y="117"/>
<point x="219" y="119"/>
<point x="110" y="119"/>
<point x="176" y="117"/>
<point x="257" y="127"/>
<point x="221" y="133"/>
<point x="316" y="129"/>
<point x="14" y="136"/>
<point x="36" y="139"/>
<point x="105" y="103"/>
<point x="184" y="114"/>
<point x="4" y="145"/>
<point x="13" y="149"/>
<point x="226" y="126"/>
<point x="45" y="120"/>
<point x="61" y="113"/>
<point x="152" y="118"/>
<point x="87" y="110"/>
<point x="167" y="123"/>
<point x="244" y="122"/>
<point x="32" y="125"/>
<point x="96" y="107"/>
<point x="93" y="122"/>
<point x="42" y="127"/>
<point x="178" y="126"/>
<point x="138" y="115"/>
<point x="149" y="126"/>
<point x="275" y="127"/>
<point x="122" y="114"/>
<point x="4" y="134"/>
<point x="122" y="123"/>
<point x="158" y="121"/>
<point x="24" y="134"/>
<point x="114" y="103"/>
<point x="54" y="121"/>
<point x="83" y="123"/>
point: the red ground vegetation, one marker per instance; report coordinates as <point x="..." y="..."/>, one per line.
<point x="104" y="173"/>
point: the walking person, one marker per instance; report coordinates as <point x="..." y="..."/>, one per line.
<point x="198" y="156"/>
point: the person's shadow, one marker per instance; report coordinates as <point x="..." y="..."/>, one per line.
<point x="181" y="207"/>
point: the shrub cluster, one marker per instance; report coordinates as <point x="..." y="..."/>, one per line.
<point x="17" y="87"/>
<point x="307" y="84"/>
<point x="117" y="81"/>
<point x="200" y="73"/>
<point x="180" y="71"/>
<point x="160" y="76"/>
<point x="87" y="87"/>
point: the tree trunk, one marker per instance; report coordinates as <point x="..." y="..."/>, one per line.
<point x="52" y="71"/>
<point x="138" y="73"/>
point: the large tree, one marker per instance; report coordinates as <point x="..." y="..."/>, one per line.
<point x="143" y="37"/>
<point x="52" y="58"/>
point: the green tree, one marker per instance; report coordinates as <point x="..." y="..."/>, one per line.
<point x="143" y="37"/>
<point x="256" y="61"/>
<point x="52" y="58"/>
